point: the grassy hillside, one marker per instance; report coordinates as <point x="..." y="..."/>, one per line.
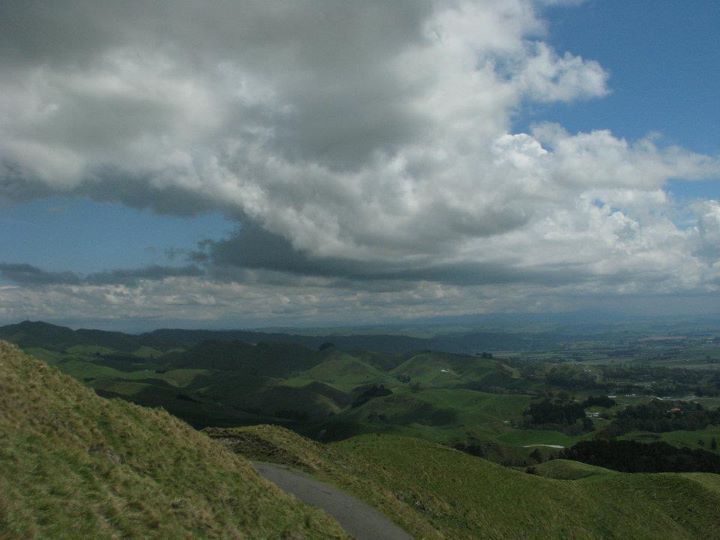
<point x="58" y="338"/>
<point x="343" y="371"/>
<point x="475" y="402"/>
<point x="563" y="469"/>
<point x="74" y="465"/>
<point x="315" y="392"/>
<point x="468" y="497"/>
<point x="439" y="369"/>
<point x="329" y="463"/>
<point x="436" y="492"/>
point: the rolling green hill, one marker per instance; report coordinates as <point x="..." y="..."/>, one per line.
<point x="327" y="391"/>
<point x="40" y="334"/>
<point x="436" y="492"/>
<point x="467" y="497"/>
<point x="563" y="469"/>
<point x="440" y="369"/>
<point x="344" y="371"/>
<point x="74" y="465"/>
<point x="59" y="338"/>
<point x="267" y="359"/>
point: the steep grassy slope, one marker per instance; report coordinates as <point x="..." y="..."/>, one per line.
<point x="437" y="492"/>
<point x="468" y="497"/>
<point x="73" y="465"/>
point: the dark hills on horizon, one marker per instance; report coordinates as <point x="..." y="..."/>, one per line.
<point x="41" y="334"/>
<point x="502" y="333"/>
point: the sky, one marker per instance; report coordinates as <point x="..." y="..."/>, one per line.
<point x="315" y="162"/>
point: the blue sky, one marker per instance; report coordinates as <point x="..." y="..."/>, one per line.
<point x="81" y="235"/>
<point x="663" y="59"/>
<point x="353" y="158"/>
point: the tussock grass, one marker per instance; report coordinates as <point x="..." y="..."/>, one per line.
<point x="73" y="465"/>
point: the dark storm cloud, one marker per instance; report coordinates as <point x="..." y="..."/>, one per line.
<point x="29" y="275"/>
<point x="113" y="185"/>
<point x="152" y="273"/>
<point x="17" y="185"/>
<point x="255" y="248"/>
<point x="26" y="274"/>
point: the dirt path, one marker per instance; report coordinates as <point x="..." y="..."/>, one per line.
<point x="357" y="518"/>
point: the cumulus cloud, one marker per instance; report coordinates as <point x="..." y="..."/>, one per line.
<point x="365" y="141"/>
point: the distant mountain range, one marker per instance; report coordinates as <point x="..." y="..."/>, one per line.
<point x="29" y="334"/>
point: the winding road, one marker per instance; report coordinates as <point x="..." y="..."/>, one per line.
<point x="357" y="518"/>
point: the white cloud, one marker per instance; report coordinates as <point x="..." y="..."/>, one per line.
<point x="547" y="77"/>
<point x="375" y="135"/>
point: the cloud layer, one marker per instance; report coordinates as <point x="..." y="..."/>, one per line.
<point x="366" y="150"/>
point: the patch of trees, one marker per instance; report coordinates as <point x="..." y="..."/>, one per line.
<point x="714" y="383"/>
<point x="374" y="391"/>
<point x="572" y="378"/>
<point x="493" y="384"/>
<point x="631" y="456"/>
<point x="263" y="359"/>
<point x="559" y="413"/>
<point x="185" y="397"/>
<point x="123" y="362"/>
<point x="555" y="411"/>
<point x="662" y="381"/>
<point x="494" y="452"/>
<point x="471" y="447"/>
<point x="662" y="416"/>
<point x="599" y="401"/>
<point x="532" y="371"/>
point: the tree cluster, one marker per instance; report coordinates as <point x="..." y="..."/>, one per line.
<point x="631" y="456"/>
<point x="599" y="401"/>
<point x="662" y="416"/>
<point x="558" y="413"/>
<point x="374" y="391"/>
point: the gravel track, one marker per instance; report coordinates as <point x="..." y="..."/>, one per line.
<point x="357" y="518"/>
